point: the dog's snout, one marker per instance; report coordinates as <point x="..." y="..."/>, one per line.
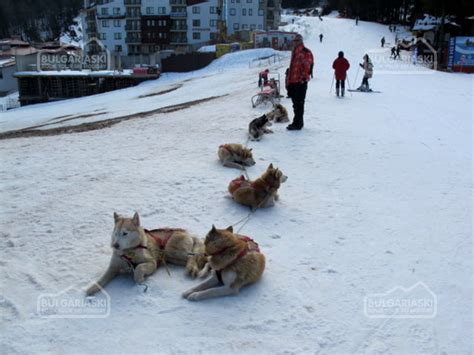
<point x="115" y="245"/>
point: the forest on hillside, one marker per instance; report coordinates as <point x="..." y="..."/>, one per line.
<point x="37" y="20"/>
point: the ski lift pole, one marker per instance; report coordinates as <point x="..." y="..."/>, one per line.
<point x="332" y="83"/>
<point x="357" y="75"/>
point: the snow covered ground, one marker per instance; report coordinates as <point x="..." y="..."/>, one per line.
<point x="379" y="196"/>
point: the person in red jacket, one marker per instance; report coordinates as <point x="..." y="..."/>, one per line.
<point x="299" y="73"/>
<point x="340" y="66"/>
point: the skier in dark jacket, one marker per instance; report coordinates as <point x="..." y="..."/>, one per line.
<point x="340" y="66"/>
<point x="321" y="37"/>
<point x="382" y="42"/>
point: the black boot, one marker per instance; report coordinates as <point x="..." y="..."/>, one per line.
<point x="342" y="92"/>
<point x="337" y="91"/>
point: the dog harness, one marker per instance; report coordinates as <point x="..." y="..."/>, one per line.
<point x="129" y="256"/>
<point x="251" y="246"/>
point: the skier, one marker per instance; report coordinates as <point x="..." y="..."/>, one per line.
<point x="340" y="66"/>
<point x="398" y="52"/>
<point x="390" y="28"/>
<point x="382" y="41"/>
<point x="321" y="38"/>
<point x="357" y="20"/>
<point x="368" y="71"/>
<point x="393" y="52"/>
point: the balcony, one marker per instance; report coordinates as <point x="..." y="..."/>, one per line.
<point x="182" y="28"/>
<point x="110" y="17"/>
<point x="136" y="40"/>
<point x="132" y="28"/>
<point x="180" y="14"/>
<point x="178" y="2"/>
<point x="132" y="2"/>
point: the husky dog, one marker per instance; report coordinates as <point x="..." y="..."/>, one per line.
<point x="258" y="127"/>
<point x="235" y="261"/>
<point x="278" y="114"/>
<point x="141" y="251"/>
<point x="262" y="192"/>
<point x="235" y="156"/>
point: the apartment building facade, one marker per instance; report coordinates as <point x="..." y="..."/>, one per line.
<point x="133" y="27"/>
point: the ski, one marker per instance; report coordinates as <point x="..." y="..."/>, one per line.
<point x="374" y="91"/>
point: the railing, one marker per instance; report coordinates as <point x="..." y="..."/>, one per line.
<point x="110" y="17"/>
<point x="179" y="28"/>
<point x="132" y="2"/>
<point x="133" y="40"/>
<point x="132" y="28"/>
<point x="178" y="14"/>
<point x="177" y="2"/>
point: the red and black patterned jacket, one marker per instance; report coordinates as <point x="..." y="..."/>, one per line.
<point x="301" y="65"/>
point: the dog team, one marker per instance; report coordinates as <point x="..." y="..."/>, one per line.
<point x="228" y="260"/>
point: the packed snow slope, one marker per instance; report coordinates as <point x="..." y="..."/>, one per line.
<point x="379" y="195"/>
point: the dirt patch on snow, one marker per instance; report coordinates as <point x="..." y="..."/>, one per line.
<point x="91" y="126"/>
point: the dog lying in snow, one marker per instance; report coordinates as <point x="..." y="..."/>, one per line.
<point x="279" y="114"/>
<point x="235" y="156"/>
<point x="258" y="127"/>
<point x="142" y="251"/>
<point x="235" y="261"/>
<point x="262" y="192"/>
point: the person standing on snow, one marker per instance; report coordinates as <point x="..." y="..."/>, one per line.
<point x="299" y="73"/>
<point x="382" y="41"/>
<point x="341" y="66"/>
<point x="320" y="38"/>
<point x="368" y="72"/>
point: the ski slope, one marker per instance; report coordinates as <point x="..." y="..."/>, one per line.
<point x="379" y="196"/>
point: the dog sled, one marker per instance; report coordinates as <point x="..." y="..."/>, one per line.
<point x="269" y="93"/>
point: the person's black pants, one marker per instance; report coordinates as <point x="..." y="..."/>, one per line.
<point x="340" y="83"/>
<point x="297" y="92"/>
<point x="365" y="81"/>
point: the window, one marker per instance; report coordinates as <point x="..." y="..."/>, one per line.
<point x="196" y="35"/>
<point x="116" y="23"/>
<point x="105" y="23"/>
<point x="118" y="48"/>
<point x="260" y="12"/>
<point x="196" y="23"/>
<point x="250" y="12"/>
<point x="249" y="1"/>
<point x="260" y="27"/>
<point x="102" y="36"/>
<point x="245" y="27"/>
<point x="116" y="10"/>
<point x="212" y="10"/>
<point x="232" y="1"/>
<point x="104" y="11"/>
<point x="117" y="35"/>
<point x="232" y="12"/>
<point x="252" y="27"/>
<point x="196" y="10"/>
<point x="244" y="12"/>
<point x="236" y="26"/>
<point x="237" y="1"/>
<point x="1" y="74"/>
<point x="149" y="11"/>
<point x="162" y="10"/>
<point x="213" y="23"/>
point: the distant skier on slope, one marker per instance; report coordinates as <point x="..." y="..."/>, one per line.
<point x="368" y="72"/>
<point x="341" y="66"/>
<point x="321" y="38"/>
<point x="382" y="42"/>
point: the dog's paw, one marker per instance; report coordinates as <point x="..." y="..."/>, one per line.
<point x="194" y="297"/>
<point x="138" y="277"/>
<point x="92" y="290"/>
<point x="186" y="294"/>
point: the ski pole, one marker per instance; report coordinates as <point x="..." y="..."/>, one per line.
<point x="349" y="84"/>
<point x="357" y="75"/>
<point x="330" y="90"/>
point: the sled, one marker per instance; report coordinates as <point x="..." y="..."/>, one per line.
<point x="268" y="93"/>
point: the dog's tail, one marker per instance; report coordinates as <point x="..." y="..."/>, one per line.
<point x="197" y="264"/>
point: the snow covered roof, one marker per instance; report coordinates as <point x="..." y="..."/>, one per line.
<point x="6" y="62"/>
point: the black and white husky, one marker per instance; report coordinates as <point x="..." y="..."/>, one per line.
<point x="258" y="127"/>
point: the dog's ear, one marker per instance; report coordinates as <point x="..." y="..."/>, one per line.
<point x="136" y="220"/>
<point x="116" y="217"/>
<point x="270" y="166"/>
<point x="230" y="229"/>
<point x="213" y="229"/>
<point x="250" y="149"/>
